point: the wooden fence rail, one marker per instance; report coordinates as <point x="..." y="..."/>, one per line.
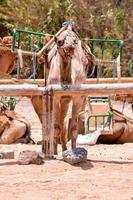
<point x="50" y="92"/>
<point x="78" y="89"/>
<point x="92" y="89"/>
<point x="41" y="82"/>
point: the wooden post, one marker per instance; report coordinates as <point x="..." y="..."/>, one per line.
<point x="47" y="125"/>
<point x="44" y="124"/>
<point x="118" y="69"/>
<point x="51" y="124"/>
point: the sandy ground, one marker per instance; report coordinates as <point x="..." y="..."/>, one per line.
<point x="106" y="175"/>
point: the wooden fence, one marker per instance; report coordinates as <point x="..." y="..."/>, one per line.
<point x="52" y="91"/>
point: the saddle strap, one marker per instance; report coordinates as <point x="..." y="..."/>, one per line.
<point x="122" y="116"/>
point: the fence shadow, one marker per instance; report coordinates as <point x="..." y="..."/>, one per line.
<point x="112" y="161"/>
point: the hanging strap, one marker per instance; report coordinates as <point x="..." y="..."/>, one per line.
<point x="99" y="69"/>
<point x="34" y="66"/>
<point x="118" y="68"/>
<point x="114" y="68"/>
<point x="20" y="63"/>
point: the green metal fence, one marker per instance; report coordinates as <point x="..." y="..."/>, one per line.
<point x="18" y="35"/>
<point x="116" y="44"/>
<point x="27" y="41"/>
<point x="101" y="48"/>
<point x="106" y="118"/>
<point x="24" y="39"/>
<point x="108" y="54"/>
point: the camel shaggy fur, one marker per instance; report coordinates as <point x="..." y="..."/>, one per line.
<point x="67" y="62"/>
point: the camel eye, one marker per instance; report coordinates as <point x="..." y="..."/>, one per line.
<point x="60" y="42"/>
<point x="75" y="41"/>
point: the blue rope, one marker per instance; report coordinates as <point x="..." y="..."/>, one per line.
<point x="69" y="22"/>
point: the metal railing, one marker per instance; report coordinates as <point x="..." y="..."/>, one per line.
<point x="108" y="53"/>
<point x="102" y="42"/>
<point x="30" y="42"/>
<point x="18" y="35"/>
<point x="106" y="121"/>
<point x="100" y="121"/>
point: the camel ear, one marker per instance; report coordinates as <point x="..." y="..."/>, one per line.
<point x="55" y="39"/>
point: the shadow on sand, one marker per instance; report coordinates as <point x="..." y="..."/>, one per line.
<point x="119" y="162"/>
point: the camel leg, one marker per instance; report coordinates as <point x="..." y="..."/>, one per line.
<point x="37" y="104"/>
<point x="64" y="102"/>
<point x="22" y="140"/>
<point x="55" y="148"/>
<point x="25" y="140"/>
<point x="57" y="127"/>
<point x="76" y="107"/>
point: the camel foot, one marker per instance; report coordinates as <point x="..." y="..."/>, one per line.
<point x="39" y="142"/>
<point x="22" y="140"/>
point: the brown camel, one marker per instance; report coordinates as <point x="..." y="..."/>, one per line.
<point x="122" y="130"/>
<point x="14" y="128"/>
<point x="7" y="57"/>
<point x="122" y="126"/>
<point x="67" y="63"/>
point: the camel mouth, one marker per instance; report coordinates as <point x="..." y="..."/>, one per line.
<point x="69" y="47"/>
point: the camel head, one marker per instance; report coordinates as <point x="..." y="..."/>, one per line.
<point x="66" y="42"/>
